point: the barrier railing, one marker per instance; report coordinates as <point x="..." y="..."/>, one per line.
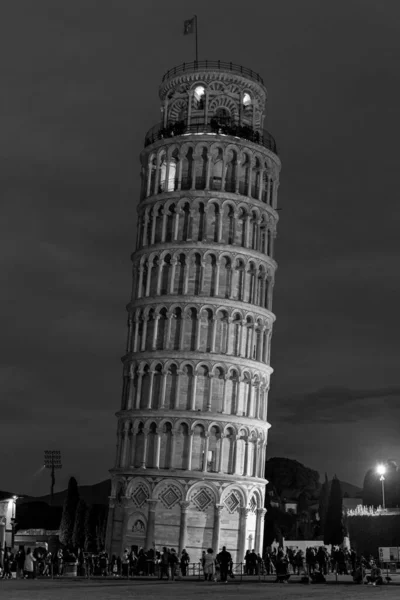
<point x="214" y="126"/>
<point x="213" y="65"/>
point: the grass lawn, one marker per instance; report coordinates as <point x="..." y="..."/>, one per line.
<point x="194" y="590"/>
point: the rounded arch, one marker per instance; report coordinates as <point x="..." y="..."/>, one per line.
<point x="203" y="484"/>
<point x="233" y="487"/>
<point x="164" y="483"/>
<point x="135" y="483"/>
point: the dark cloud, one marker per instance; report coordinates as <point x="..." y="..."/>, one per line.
<point x="79" y="91"/>
<point x="336" y="405"/>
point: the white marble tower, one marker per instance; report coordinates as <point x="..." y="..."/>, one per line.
<point x="192" y="428"/>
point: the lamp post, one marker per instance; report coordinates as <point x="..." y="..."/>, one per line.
<point x="381" y="470"/>
<point x="52" y="460"/>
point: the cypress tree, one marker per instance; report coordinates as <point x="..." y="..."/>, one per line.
<point x="91" y="529"/>
<point x="334" y="529"/>
<point x="78" y="534"/>
<point x="68" y="513"/>
<point x="323" y="503"/>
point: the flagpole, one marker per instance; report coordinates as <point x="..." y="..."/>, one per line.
<point x="197" y="47"/>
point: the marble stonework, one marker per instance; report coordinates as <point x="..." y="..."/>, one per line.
<point x="192" y="426"/>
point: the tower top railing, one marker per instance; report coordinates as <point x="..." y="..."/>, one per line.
<point x="213" y="126"/>
<point x="212" y="65"/>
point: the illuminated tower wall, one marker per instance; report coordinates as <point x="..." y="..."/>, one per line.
<point x="192" y="428"/>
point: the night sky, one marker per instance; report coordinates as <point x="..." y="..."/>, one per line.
<point x="79" y="90"/>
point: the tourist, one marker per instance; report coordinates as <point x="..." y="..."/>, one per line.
<point x="282" y="563"/>
<point x="7" y="561"/>
<point x="203" y="562"/>
<point x="246" y="570"/>
<point x="317" y="576"/>
<point x="184" y="562"/>
<point x="358" y="573"/>
<point x="29" y="565"/>
<point x="47" y="564"/>
<point x="164" y="564"/>
<point x="209" y="565"/>
<point x="142" y="562"/>
<point x="60" y="562"/>
<point x="20" y="559"/>
<point x="151" y="555"/>
<point x="125" y="563"/>
<point x="173" y="561"/>
<point x="375" y="577"/>
<point x="224" y="559"/>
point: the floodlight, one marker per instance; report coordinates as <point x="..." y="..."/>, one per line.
<point x="381" y="469"/>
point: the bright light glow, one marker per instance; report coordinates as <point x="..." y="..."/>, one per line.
<point x="15" y="497"/>
<point x="199" y="92"/>
<point x="246" y="99"/>
<point x="381" y="469"/>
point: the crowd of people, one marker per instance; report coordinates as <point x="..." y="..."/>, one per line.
<point x="312" y="565"/>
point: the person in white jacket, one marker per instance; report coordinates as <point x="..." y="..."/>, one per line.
<point x="29" y="565"/>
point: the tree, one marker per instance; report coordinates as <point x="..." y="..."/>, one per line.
<point x="334" y="529"/>
<point x="90" y="530"/>
<point x="323" y="503"/>
<point x="291" y="478"/>
<point x="78" y="534"/>
<point x="68" y="513"/>
<point x="95" y="527"/>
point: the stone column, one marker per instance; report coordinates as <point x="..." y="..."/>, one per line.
<point x="207" y="186"/>
<point x="154" y="340"/>
<point x="125" y="442"/>
<point x="164" y="375"/>
<point x="157" y="451"/>
<point x="135" y="335"/>
<point x="177" y="388"/>
<point x="206" y="445"/>
<point x="174" y="262"/>
<point x="261" y="512"/>
<point x="144" y="334"/>
<point x="214" y="334"/>
<point x="217" y="270"/>
<point x="226" y="378"/>
<point x="153" y="221"/>
<point x="151" y="521"/>
<point x="159" y="275"/>
<point x="209" y="399"/>
<point x="220" y="457"/>
<point x="173" y="448"/>
<point x="139" y="389"/>
<point x="197" y="342"/>
<point x="183" y="526"/>
<point x="145" y="444"/>
<point x="189" y="461"/>
<point x="246" y="457"/>
<point x="190" y="107"/>
<point x="193" y="399"/>
<point x="150" y="396"/>
<point x="244" y="513"/>
<point x="109" y="530"/>
<point x="133" y="449"/>
<point x="217" y="527"/>
<point x="118" y="446"/>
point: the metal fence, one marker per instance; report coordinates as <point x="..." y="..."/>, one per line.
<point x="212" y="65"/>
<point x="215" y="126"/>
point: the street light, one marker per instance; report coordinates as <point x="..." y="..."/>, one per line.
<point x="52" y="460"/>
<point x="381" y="470"/>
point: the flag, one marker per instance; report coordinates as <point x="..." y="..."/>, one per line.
<point x="188" y="26"/>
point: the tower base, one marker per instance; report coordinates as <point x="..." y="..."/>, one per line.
<point x="178" y="511"/>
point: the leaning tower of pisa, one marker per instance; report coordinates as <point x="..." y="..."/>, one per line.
<point x="192" y="427"/>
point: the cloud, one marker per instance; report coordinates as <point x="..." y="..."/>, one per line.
<point x="335" y="405"/>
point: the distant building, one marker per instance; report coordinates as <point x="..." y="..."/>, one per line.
<point x="192" y="428"/>
<point x="7" y="521"/>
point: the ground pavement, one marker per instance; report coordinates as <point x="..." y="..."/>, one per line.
<point x="109" y="589"/>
